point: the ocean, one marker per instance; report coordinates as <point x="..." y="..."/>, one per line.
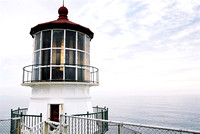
<point x="181" y="112"/>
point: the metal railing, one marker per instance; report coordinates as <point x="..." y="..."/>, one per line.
<point x="44" y="73"/>
<point x="27" y="120"/>
<point x="98" y="113"/>
<point x="18" y="111"/>
<point x="82" y="125"/>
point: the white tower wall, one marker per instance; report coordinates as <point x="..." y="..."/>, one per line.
<point x="72" y="98"/>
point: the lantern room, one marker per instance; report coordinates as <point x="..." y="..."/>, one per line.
<point x="61" y="52"/>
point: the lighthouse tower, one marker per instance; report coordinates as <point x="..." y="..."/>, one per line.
<point x="61" y="75"/>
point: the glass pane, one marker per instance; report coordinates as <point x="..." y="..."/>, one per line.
<point x="81" y="58"/>
<point x="37" y="41"/>
<point x="45" y="73"/>
<point x="87" y="44"/>
<point x="58" y="38"/>
<point x="58" y="56"/>
<point x="81" y="41"/>
<point x="70" y="57"/>
<point x="37" y="57"/>
<point x="81" y="74"/>
<point x="70" y="39"/>
<point x="36" y="74"/>
<point x="87" y="59"/>
<point x="57" y="73"/>
<point x="46" y="39"/>
<point x="45" y="57"/>
<point x="70" y="74"/>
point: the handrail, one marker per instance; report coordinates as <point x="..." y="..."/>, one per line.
<point x="86" y="73"/>
<point x="149" y="128"/>
<point x="59" y="65"/>
<point x="98" y="113"/>
<point x="94" y="109"/>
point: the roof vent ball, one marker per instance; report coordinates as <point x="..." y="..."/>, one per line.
<point x="63" y="12"/>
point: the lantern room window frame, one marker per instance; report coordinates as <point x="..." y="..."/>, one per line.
<point x="39" y="51"/>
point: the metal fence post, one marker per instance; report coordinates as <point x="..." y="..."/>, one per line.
<point x="97" y="109"/>
<point x="23" y="76"/>
<point x="93" y="73"/>
<point x="102" y="123"/>
<point x="102" y="114"/>
<point x="19" y="126"/>
<point x="40" y="117"/>
<point x="87" y="123"/>
<point x="11" y="124"/>
<point x="107" y="114"/>
<point x="11" y="113"/>
<point x="65" y="122"/>
<point x="32" y="73"/>
<point x="31" y="131"/>
<point x="21" y="116"/>
<point x="45" y="127"/>
<point x="120" y="129"/>
<point x="60" y="126"/>
<point x="18" y="110"/>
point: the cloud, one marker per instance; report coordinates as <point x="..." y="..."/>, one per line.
<point x="157" y="44"/>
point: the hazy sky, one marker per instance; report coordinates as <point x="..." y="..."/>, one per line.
<point x="140" y="46"/>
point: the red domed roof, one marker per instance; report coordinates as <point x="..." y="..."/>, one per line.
<point x="63" y="23"/>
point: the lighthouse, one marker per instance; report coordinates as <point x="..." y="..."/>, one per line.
<point x="60" y="75"/>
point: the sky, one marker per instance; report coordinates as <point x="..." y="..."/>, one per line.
<point x="140" y="46"/>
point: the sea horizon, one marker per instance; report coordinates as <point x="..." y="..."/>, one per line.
<point x="173" y="111"/>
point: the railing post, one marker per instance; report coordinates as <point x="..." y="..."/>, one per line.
<point x="40" y="117"/>
<point x="27" y="76"/>
<point x="65" y="118"/>
<point x="31" y="131"/>
<point x="102" y="114"/>
<point x="11" y="113"/>
<point x="97" y="75"/>
<point x="60" y="126"/>
<point x="106" y="114"/>
<point x="97" y="109"/>
<point x="18" y="110"/>
<point x="19" y="126"/>
<point x="23" y="76"/>
<point x="21" y="117"/>
<point x="102" y="124"/>
<point x="106" y="118"/>
<point x="87" y="123"/>
<point x="93" y="73"/>
<point x="32" y="73"/>
<point x="120" y="129"/>
<point x="45" y="127"/>
<point x="64" y="123"/>
<point x="11" y="121"/>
